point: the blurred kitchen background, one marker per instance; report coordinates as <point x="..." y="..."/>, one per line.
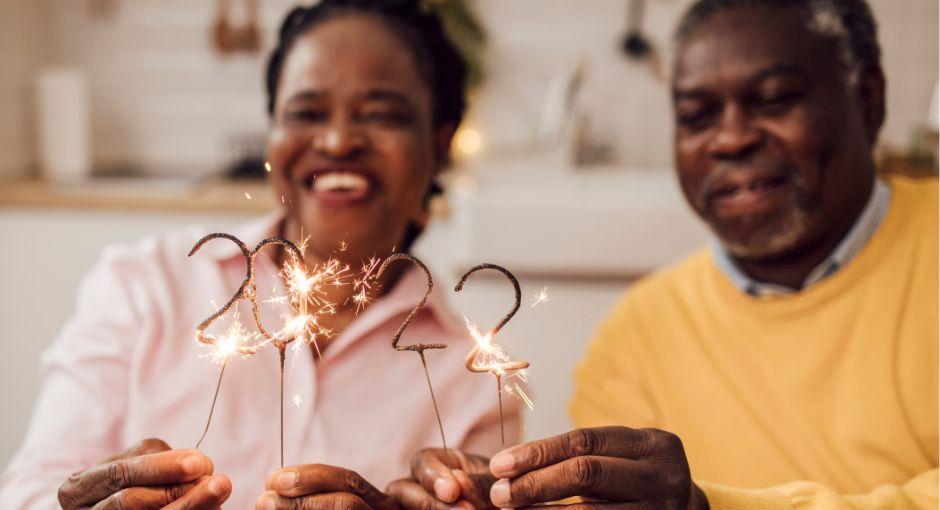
<point x="122" y="118"/>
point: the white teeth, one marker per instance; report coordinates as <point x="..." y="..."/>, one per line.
<point x="334" y="181"/>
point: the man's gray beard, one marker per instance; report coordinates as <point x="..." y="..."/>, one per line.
<point x="776" y="239"/>
<point x="780" y="235"/>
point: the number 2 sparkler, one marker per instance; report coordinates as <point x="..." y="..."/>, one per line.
<point x="419" y="348"/>
<point x="494" y="359"/>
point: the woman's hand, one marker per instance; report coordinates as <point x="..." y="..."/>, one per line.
<point x="434" y="485"/>
<point x="147" y="476"/>
<point x="614" y="467"/>
<point x="321" y="487"/>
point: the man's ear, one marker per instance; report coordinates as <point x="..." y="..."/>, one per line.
<point x="871" y="93"/>
<point x="443" y="136"/>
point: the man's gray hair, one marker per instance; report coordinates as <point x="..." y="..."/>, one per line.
<point x="849" y="23"/>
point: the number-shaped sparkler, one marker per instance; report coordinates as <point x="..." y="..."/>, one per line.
<point x="281" y="342"/>
<point x="245" y="292"/>
<point x="484" y="343"/>
<point x="419" y="348"/>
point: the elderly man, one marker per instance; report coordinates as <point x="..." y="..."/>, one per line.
<point x="794" y="362"/>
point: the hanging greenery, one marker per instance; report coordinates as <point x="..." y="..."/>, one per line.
<point x="464" y="28"/>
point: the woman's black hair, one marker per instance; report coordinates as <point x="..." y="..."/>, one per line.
<point x="439" y="61"/>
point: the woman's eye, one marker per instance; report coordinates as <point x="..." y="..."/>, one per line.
<point x="305" y="115"/>
<point x="386" y="117"/>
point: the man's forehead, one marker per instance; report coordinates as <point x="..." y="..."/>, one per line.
<point x="746" y="41"/>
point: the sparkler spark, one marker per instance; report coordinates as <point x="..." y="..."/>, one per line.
<point x="296" y="401"/>
<point x="235" y="340"/>
<point x="525" y="398"/>
<point x="541" y="297"/>
<point x="364" y="284"/>
<point x="248" y="195"/>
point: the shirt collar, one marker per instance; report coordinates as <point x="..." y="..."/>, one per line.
<point x="857" y="237"/>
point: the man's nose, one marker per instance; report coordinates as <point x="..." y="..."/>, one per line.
<point x="737" y="137"/>
<point x="340" y="139"/>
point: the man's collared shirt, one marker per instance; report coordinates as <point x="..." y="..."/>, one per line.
<point x="864" y="227"/>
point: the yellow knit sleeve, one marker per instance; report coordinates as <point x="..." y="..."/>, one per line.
<point x="919" y="493"/>
<point x="609" y="387"/>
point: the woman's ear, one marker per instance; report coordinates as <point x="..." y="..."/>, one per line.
<point x="443" y="137"/>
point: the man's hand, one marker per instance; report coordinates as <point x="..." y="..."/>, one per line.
<point x="321" y="487"/>
<point x="147" y="476"/>
<point x="434" y="485"/>
<point x="611" y="467"/>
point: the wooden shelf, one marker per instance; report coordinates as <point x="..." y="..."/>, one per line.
<point x="143" y="195"/>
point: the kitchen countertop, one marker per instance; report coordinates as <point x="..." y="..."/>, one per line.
<point x="141" y="195"/>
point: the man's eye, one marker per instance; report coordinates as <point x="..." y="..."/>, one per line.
<point x="695" y="117"/>
<point x="777" y="102"/>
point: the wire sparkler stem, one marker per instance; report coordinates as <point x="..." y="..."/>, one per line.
<point x="282" y="354"/>
<point x="440" y="425"/>
<point x="215" y="396"/>
<point x="499" y="395"/>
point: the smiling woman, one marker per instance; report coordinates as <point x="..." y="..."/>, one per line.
<point x="364" y="98"/>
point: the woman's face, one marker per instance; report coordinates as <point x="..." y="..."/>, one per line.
<point x="352" y="144"/>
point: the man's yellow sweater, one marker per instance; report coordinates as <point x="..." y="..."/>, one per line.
<point x="826" y="398"/>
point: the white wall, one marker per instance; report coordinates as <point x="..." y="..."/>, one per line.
<point x="22" y="47"/>
<point x="533" y="39"/>
<point x="163" y="98"/>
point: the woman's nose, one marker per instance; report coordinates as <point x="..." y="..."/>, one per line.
<point x="340" y="140"/>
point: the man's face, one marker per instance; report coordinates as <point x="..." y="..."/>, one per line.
<point x="771" y="143"/>
<point x="352" y="145"/>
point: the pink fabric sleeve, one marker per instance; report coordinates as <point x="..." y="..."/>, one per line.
<point x="78" y="417"/>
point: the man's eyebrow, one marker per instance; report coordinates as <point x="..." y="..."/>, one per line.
<point x="697" y="92"/>
<point x="388" y="95"/>
<point x="777" y="70"/>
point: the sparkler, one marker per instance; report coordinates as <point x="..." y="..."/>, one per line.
<point x="236" y="338"/>
<point x="298" y="285"/>
<point x="494" y="361"/>
<point x="418" y="348"/>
